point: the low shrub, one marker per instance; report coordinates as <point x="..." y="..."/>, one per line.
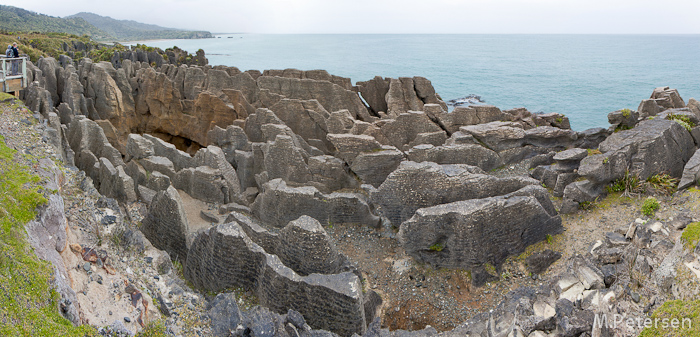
<point x="650" y="206"/>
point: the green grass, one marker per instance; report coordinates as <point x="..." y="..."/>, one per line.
<point x="626" y="112"/>
<point x="678" y="310"/>
<point x="663" y="182"/>
<point x="622" y="128"/>
<point x="592" y="152"/>
<point x="28" y="305"/>
<point x="683" y="120"/>
<point x="438" y="247"/>
<point x="179" y="269"/>
<point x="153" y="329"/>
<point x="691" y="236"/>
<point x="628" y="183"/>
<point x="650" y="206"/>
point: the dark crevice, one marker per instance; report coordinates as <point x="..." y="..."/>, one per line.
<point x="181" y="143"/>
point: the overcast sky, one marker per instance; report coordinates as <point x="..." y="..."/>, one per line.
<point x="395" y="16"/>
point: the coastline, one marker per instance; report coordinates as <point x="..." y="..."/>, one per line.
<point x="584" y="83"/>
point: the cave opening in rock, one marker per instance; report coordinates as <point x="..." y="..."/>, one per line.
<point x="181" y="143"/>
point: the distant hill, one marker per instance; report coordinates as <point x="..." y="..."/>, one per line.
<point x="13" y="19"/>
<point x="127" y="30"/>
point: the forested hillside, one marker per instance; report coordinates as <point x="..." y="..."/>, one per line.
<point x="13" y="19"/>
<point x="19" y="21"/>
<point x="127" y="30"/>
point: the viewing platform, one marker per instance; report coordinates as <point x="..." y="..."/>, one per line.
<point x="13" y="82"/>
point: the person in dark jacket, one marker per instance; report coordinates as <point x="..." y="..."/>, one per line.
<point x="15" y="63"/>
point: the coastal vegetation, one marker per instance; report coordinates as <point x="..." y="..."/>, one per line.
<point x="127" y="30"/>
<point x="691" y="236"/>
<point x="650" y="206"/>
<point x="683" y="120"/>
<point x="28" y="305"/>
<point x="674" y="311"/>
<point x="14" y="19"/>
<point x="36" y="45"/>
<point x="18" y="21"/>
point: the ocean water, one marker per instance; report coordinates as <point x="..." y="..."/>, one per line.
<point x="582" y="76"/>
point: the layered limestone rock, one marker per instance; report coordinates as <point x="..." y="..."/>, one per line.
<point x="166" y="225"/>
<point x="331" y="96"/>
<point x="419" y="185"/>
<point x="471" y="233"/>
<point x="302" y="245"/>
<point x="224" y="257"/>
<point x="652" y="147"/>
<point x="279" y="203"/>
<point x="393" y="96"/>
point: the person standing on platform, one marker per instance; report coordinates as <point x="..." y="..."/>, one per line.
<point x="15" y="63"/>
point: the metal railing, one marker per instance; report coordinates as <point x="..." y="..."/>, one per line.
<point x="7" y="73"/>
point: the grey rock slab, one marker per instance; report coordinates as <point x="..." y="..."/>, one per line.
<point x="468" y="234"/>
<point x="571" y="155"/>
<point x="166" y="225"/>
<point x="691" y="172"/>
<point x="431" y="184"/>
<point x="139" y="147"/>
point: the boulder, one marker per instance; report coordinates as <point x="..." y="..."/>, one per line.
<point x="648" y="108"/>
<point x="550" y="137"/>
<point x="224" y="314"/>
<point x="691" y="172"/>
<point x="138" y="147"/>
<point x="436" y="138"/>
<point x="203" y="183"/>
<point x="624" y="118"/>
<point x="103" y="89"/>
<point x="591" y="138"/>
<point x="419" y="185"/>
<point x="283" y="159"/>
<point x="652" y="147"/>
<point x="86" y="135"/>
<point x="694" y="106"/>
<point x="214" y="157"/>
<point x="471" y="233"/>
<point x="161" y="148"/>
<point x="158" y="164"/>
<point x="497" y="136"/>
<point x="583" y="191"/>
<point x="426" y="92"/>
<point x="306" y="248"/>
<point x="538" y="263"/>
<point x="406" y="127"/>
<point x="224" y="257"/>
<point x="115" y="183"/>
<point x="373" y="167"/>
<point x="349" y="145"/>
<point x="50" y="71"/>
<point x="305" y="118"/>
<point x="166" y="225"/>
<point x="329" y="174"/>
<point x="471" y="115"/>
<point x="279" y="204"/>
<point x="374" y="93"/>
<point x="330" y="95"/>
<point x="402" y="96"/>
<point x="230" y="140"/>
<point x="556" y="119"/>
<point x="667" y="98"/>
<point x="73" y="93"/>
<point x="468" y="154"/>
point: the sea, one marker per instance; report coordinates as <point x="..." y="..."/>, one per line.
<point x="582" y="76"/>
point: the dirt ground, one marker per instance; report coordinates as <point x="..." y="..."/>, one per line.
<point x="416" y="295"/>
